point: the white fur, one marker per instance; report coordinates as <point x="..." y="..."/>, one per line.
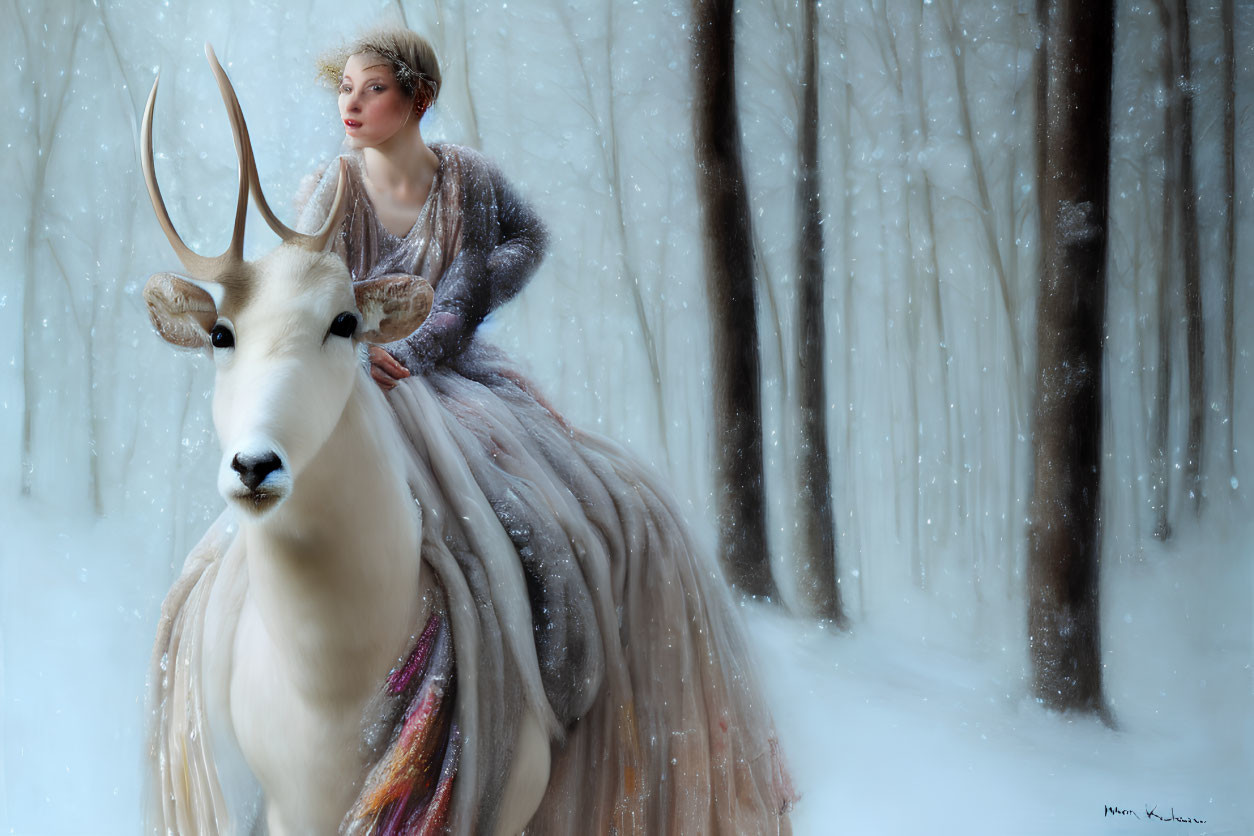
<point x="334" y="587"/>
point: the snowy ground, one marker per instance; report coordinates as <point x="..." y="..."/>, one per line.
<point x="889" y="730"/>
<point x="893" y="731"/>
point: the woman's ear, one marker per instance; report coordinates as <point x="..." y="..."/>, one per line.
<point x="392" y="307"/>
<point x="422" y="101"/>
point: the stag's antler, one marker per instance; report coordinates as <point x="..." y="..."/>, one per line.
<point x="199" y="266"/>
<point x="203" y="267"/>
<point x="315" y="241"/>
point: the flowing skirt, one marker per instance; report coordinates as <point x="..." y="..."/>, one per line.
<point x="572" y="588"/>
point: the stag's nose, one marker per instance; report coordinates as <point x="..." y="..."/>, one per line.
<point x="253" y="470"/>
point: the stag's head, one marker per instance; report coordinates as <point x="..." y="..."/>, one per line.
<point x="284" y="330"/>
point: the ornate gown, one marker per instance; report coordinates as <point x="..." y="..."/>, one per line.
<point x="571" y="584"/>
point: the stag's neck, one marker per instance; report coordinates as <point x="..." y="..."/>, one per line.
<point x="334" y="571"/>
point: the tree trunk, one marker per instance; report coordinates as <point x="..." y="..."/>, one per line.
<point x="1195" y="335"/>
<point x="817" y="567"/>
<point x="1073" y="106"/>
<point x="1230" y="238"/>
<point x="953" y="418"/>
<point x="733" y="305"/>
<point x="848" y="325"/>
<point x="613" y="172"/>
<point x="1161" y="458"/>
<point x="911" y="462"/>
<point x="962" y="96"/>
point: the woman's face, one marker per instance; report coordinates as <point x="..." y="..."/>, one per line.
<point x="372" y="105"/>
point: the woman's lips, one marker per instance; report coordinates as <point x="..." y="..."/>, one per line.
<point x="349" y="123"/>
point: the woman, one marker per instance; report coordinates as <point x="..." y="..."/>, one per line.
<point x="613" y="641"/>
<point x="414" y="204"/>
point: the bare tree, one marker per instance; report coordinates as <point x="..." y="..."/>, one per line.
<point x="908" y="276"/>
<point x="1195" y="335"/>
<point x="848" y="274"/>
<point x="607" y="125"/>
<point x="1073" y="90"/>
<point x="1180" y="269"/>
<point x="48" y="108"/>
<point x="1002" y="259"/>
<point x="949" y="20"/>
<point x="733" y="304"/>
<point x="921" y="178"/>
<point x="1160" y="454"/>
<point x="817" y="568"/>
<point x="452" y="34"/>
<point x="1230" y="234"/>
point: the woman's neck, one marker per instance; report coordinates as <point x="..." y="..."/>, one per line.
<point x="401" y="168"/>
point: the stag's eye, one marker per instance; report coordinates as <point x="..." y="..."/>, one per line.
<point x="221" y="337"/>
<point x="344" y="325"/>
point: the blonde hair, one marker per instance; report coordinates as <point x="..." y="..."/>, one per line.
<point x="410" y="55"/>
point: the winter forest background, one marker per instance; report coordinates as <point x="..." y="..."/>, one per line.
<point x="920" y="716"/>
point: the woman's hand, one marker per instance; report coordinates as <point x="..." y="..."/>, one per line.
<point x="385" y="369"/>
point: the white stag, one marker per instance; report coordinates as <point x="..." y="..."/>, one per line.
<point x="318" y="594"/>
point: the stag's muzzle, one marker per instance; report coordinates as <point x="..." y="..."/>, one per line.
<point x="255" y="478"/>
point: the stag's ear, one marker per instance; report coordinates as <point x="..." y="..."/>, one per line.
<point x="392" y="307"/>
<point x="181" y="311"/>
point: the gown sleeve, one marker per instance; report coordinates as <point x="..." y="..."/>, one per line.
<point x="502" y="243"/>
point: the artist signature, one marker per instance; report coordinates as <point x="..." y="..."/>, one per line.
<point x="1151" y="813"/>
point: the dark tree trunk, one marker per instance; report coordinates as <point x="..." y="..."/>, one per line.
<point x="1195" y="335"/>
<point x="1073" y="106"/>
<point x="1230" y="238"/>
<point x="848" y="325"/>
<point x="1161" y="458"/>
<point x="817" y="569"/>
<point x="733" y="307"/>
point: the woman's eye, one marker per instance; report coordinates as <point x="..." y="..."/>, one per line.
<point x="221" y="337"/>
<point x="378" y="88"/>
<point x="344" y="325"/>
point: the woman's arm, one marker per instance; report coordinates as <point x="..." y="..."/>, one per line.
<point x="524" y="240"/>
<point x="503" y="242"/>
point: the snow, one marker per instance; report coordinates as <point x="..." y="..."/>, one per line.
<point x="75" y="633"/>
<point x="895" y="728"/>
<point x="901" y="729"/>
